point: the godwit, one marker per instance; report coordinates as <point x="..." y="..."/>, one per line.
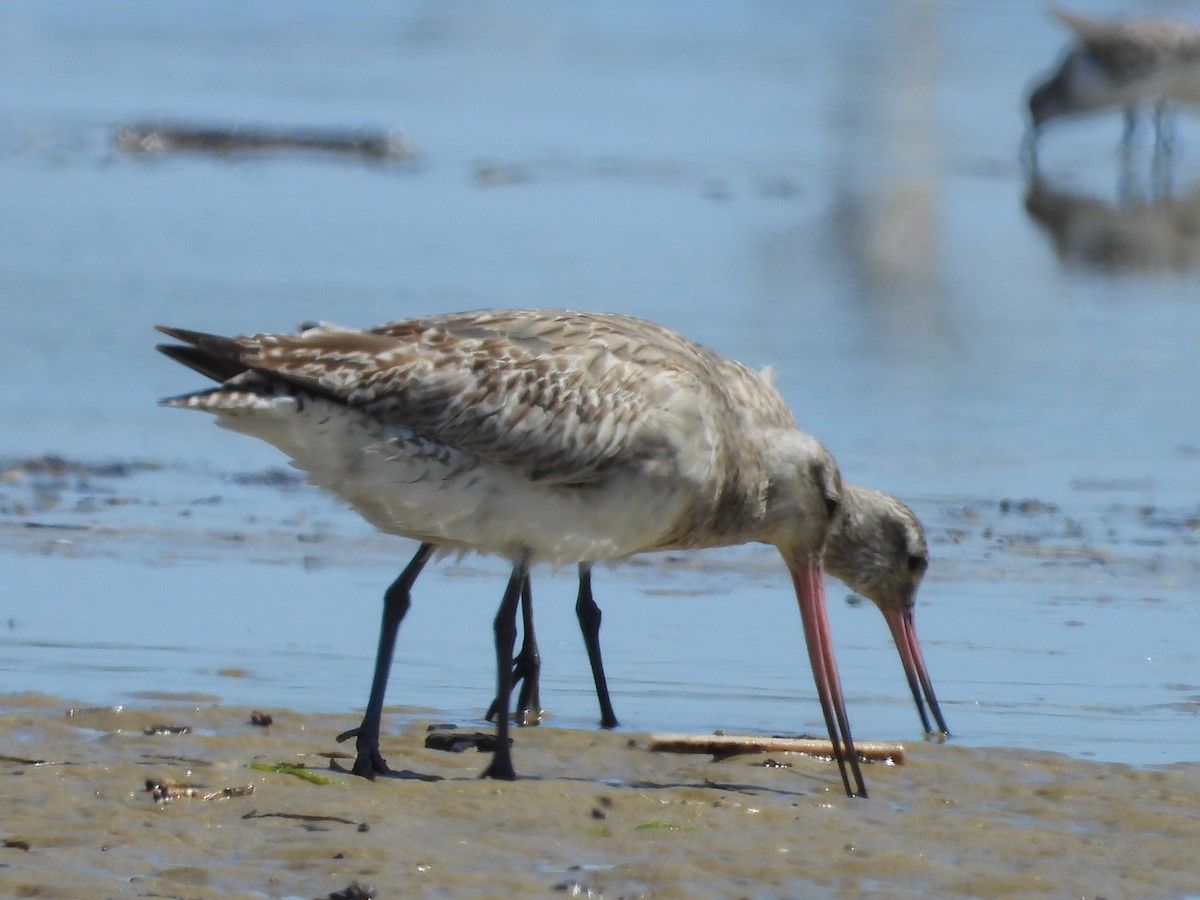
<point x="539" y="436"/>
<point x="1124" y="63"/>
<point x="878" y="550"/>
<point x="876" y="547"/>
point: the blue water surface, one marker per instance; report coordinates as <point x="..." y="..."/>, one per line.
<point x="832" y="189"/>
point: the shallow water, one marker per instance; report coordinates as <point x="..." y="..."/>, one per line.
<point x="834" y="190"/>
<point x="257" y="589"/>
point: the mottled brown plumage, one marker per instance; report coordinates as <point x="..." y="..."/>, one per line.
<point x="555" y="398"/>
<point x="538" y="435"/>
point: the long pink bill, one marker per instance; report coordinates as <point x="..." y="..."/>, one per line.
<point x="904" y="633"/>
<point x="810" y="594"/>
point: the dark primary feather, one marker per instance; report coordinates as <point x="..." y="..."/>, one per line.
<point x="217" y="368"/>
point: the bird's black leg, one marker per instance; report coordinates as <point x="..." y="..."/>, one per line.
<point x="505" y="628"/>
<point x="396" y="599"/>
<point x="526" y="667"/>
<point x="589" y="616"/>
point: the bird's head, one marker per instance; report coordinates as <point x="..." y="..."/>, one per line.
<point x="877" y="547"/>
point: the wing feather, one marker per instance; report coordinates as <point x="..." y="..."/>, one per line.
<point x="563" y="397"/>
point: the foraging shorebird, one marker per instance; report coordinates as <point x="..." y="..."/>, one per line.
<point x="539" y="436"/>
<point x="1127" y="63"/>
<point x="876" y="547"/>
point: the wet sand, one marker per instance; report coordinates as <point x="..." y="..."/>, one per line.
<point x="595" y="814"/>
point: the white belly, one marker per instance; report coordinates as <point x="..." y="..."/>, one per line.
<point x="428" y="492"/>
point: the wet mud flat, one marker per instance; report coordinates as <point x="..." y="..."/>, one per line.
<point x="179" y="800"/>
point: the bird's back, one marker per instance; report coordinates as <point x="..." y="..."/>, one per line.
<point x="547" y="407"/>
<point x="1163" y="55"/>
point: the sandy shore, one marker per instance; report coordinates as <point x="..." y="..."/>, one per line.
<point x="595" y="814"/>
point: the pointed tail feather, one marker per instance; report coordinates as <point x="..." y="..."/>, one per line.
<point x="215" y="357"/>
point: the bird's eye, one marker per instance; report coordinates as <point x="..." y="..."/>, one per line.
<point x="917" y="563"/>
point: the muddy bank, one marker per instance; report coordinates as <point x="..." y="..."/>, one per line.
<point x="595" y="814"/>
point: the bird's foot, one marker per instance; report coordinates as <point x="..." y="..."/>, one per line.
<point x="525" y="717"/>
<point x="529" y="717"/>
<point x="501" y="766"/>
<point x="529" y="705"/>
<point x="529" y="710"/>
<point x="501" y="770"/>
<point x="370" y="764"/>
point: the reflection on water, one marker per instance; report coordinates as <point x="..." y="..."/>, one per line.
<point x="1118" y="66"/>
<point x="1131" y="233"/>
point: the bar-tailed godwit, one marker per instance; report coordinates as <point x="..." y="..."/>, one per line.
<point x="538" y="436"/>
<point x="1124" y="63"/>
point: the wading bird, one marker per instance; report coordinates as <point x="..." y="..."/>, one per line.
<point x="539" y="436"/>
<point x="1124" y="63"/>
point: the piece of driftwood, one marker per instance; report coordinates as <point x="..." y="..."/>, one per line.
<point x="732" y="744"/>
